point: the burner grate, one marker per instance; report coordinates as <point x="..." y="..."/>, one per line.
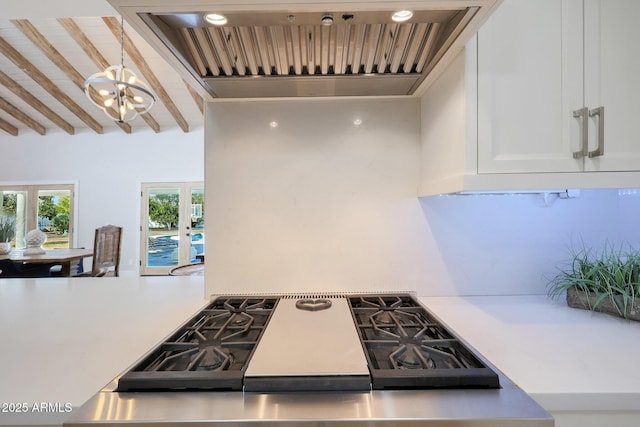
<point x="211" y="351"/>
<point x="406" y="347"/>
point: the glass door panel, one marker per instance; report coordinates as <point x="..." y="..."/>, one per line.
<point x="197" y="225"/>
<point x="162" y="240"/>
<point x="54" y="212"/>
<point x="14" y="203"/>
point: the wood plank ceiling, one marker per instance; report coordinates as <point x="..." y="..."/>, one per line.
<point x="43" y="65"/>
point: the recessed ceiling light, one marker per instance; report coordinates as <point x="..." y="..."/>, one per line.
<point x="402" y="15"/>
<point x="273" y="125"/>
<point x="215" y="18"/>
<point x="327" y="19"/>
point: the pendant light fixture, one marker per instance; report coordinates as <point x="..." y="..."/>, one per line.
<point x="118" y="91"/>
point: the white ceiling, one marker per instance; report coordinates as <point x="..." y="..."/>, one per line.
<point x="43" y="15"/>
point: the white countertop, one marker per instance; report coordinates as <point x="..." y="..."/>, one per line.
<point x="565" y="358"/>
<point x="64" y="339"/>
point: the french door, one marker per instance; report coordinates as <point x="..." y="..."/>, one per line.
<point x="172" y="226"/>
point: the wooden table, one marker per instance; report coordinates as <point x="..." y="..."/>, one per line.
<point x="64" y="257"/>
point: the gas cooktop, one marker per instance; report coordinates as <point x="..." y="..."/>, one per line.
<point x="310" y="342"/>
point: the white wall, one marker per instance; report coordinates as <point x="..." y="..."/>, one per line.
<point x="513" y="243"/>
<point x="108" y="170"/>
<point x="317" y="203"/>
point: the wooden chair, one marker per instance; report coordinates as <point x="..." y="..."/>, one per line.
<point x="106" y="252"/>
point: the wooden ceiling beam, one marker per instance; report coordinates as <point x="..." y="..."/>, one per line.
<point x="8" y="127"/>
<point x="153" y="124"/>
<point x="19" y="115"/>
<point x="143" y="67"/>
<point x="83" y="41"/>
<point x="60" y="61"/>
<point x="32" y="71"/>
<point x="35" y="103"/>
<point x="196" y="96"/>
<point x="100" y="61"/>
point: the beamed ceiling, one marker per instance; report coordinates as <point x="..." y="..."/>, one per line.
<point x="43" y="65"/>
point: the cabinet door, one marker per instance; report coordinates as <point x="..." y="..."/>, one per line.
<point x="612" y="80"/>
<point x="529" y="83"/>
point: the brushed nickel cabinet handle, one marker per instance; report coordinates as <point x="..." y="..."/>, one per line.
<point x="584" y="129"/>
<point x="600" y="150"/>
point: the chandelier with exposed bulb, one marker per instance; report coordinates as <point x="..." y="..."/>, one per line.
<point x="118" y="91"/>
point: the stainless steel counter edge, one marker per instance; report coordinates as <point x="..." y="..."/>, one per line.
<point x="508" y="406"/>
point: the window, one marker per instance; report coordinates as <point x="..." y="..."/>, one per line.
<point x="49" y="208"/>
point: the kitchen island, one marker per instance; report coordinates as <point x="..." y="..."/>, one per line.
<point x="65" y="339"/>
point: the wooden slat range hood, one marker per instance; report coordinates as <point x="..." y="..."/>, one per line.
<point x="305" y="49"/>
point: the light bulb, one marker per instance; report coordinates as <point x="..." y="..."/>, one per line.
<point x="138" y="99"/>
<point x="215" y="18"/>
<point x="108" y="102"/>
<point x="104" y="92"/>
<point x="132" y="79"/>
<point x="402" y="16"/>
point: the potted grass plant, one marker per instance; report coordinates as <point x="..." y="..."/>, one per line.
<point x="605" y="281"/>
<point x="7" y="233"/>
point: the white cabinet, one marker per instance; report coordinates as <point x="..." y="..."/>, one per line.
<point x="529" y="64"/>
<point x="538" y="63"/>
<point x="514" y="93"/>
<point x="611" y="80"/>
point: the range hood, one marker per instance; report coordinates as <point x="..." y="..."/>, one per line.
<point x="304" y="49"/>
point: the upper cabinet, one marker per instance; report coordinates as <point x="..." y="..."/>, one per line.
<point x="543" y="97"/>
<point x="611" y="70"/>
<point x="529" y="62"/>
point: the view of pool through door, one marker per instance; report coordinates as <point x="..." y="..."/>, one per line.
<point x="172" y="226"/>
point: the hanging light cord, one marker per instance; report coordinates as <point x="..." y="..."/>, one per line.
<point x="121" y="40"/>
